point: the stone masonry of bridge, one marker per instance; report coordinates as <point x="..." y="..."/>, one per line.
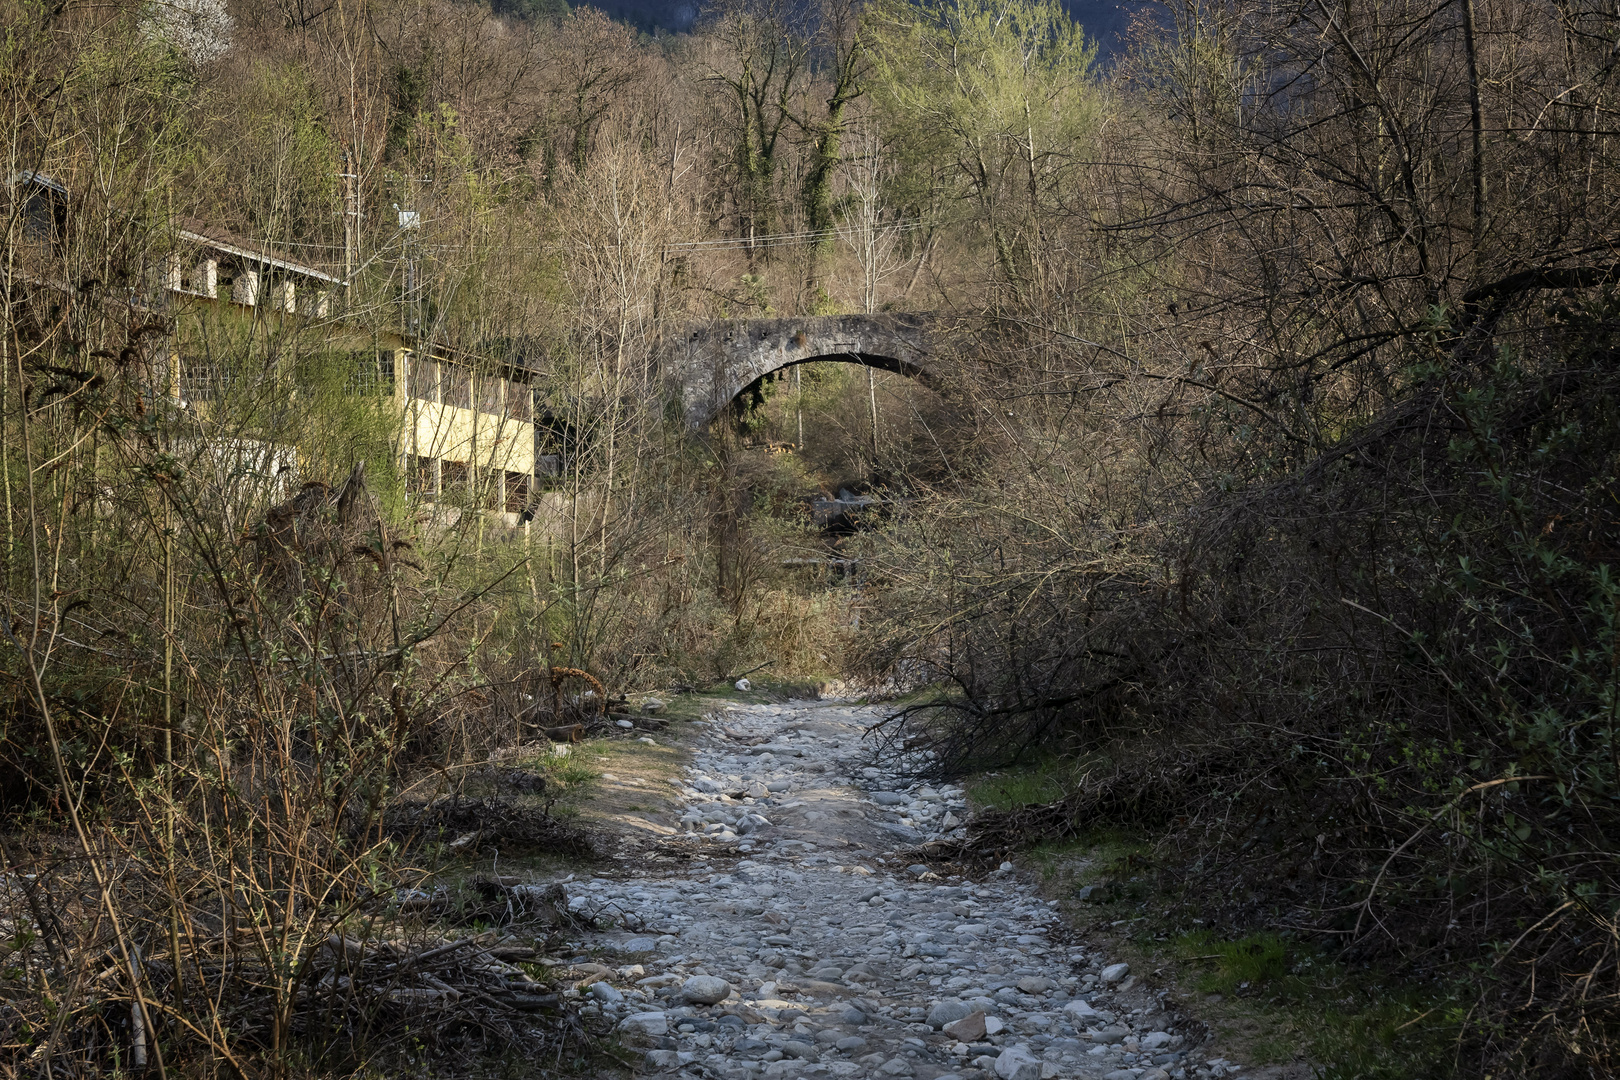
<point x="716" y="361"/>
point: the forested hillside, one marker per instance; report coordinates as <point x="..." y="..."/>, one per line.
<point x="1270" y="502"/>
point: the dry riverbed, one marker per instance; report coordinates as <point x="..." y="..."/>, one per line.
<point x="773" y="925"/>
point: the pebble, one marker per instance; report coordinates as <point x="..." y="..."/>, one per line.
<point x="797" y="937"/>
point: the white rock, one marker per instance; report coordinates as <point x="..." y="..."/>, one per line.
<point x="605" y="992"/>
<point x="645" y="1023"/>
<point x="663" y="1059"/>
<point x="1113" y="973"/>
<point x="1155" y="1039"/>
<point x="705" y="989"/>
<point x="1017" y="1063"/>
<point x="994" y="1025"/>
<point x="1079" y="1011"/>
<point x="744" y="685"/>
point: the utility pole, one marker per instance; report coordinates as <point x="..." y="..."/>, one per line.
<point x="351" y="214"/>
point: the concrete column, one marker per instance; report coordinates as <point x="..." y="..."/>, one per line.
<point x="207" y="278"/>
<point x="245" y="289"/>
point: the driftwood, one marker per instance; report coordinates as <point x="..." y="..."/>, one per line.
<point x="569" y="733"/>
<point x="439" y="989"/>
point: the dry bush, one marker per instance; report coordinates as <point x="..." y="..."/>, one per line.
<point x="1293" y="527"/>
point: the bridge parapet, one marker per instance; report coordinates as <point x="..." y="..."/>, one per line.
<point x="716" y="361"/>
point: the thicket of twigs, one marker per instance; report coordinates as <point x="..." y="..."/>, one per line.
<point x="1309" y="552"/>
<point x="233" y="634"/>
<point x="1276" y="481"/>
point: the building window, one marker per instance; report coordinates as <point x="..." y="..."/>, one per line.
<point x="202" y="379"/>
<point x="489" y="394"/>
<point x="453" y="480"/>
<point x="421" y="475"/>
<point x="424" y="378"/>
<point x="455" y="386"/>
<point x="519" y="401"/>
<point x="517" y="492"/>
<point x="371" y="374"/>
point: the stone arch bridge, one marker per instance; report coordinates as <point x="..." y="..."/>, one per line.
<point x="714" y="362"/>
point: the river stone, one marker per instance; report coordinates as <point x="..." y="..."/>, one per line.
<point x="645" y="1023"/>
<point x="888" y="798"/>
<point x="605" y="992"/>
<point x="947" y="1012"/>
<point x="968" y="1029"/>
<point x="851" y="1043"/>
<point x="852" y="1016"/>
<point x="663" y="1059"/>
<point x="1113" y="973"/>
<point x="1034" y="984"/>
<point x="1017" y="1063"/>
<point x="639" y="945"/>
<point x="994" y="1025"/>
<point x="803" y="1051"/>
<point x="896" y="1067"/>
<point x="705" y="989"/>
<point x="1079" y="1011"/>
<point x="1155" y="1039"/>
<point x="1108" y="1036"/>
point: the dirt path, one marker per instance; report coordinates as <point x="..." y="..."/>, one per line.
<point x="789" y="938"/>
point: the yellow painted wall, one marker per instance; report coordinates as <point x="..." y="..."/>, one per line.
<point x="480" y="439"/>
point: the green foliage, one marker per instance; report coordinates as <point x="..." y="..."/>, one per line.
<point x="994" y="100"/>
<point x="1349" y="1024"/>
<point x="533" y="9"/>
<point x="1045" y="780"/>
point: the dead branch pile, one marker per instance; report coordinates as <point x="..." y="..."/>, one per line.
<point x="502" y="821"/>
<point x="88" y="999"/>
<point x="441" y="988"/>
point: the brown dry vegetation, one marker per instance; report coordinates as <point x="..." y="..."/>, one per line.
<point x="1278" y="490"/>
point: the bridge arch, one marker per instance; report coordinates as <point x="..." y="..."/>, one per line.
<point x="717" y="361"/>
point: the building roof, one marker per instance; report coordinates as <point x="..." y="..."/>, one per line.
<point x="32" y="176"/>
<point x="260" y="251"/>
